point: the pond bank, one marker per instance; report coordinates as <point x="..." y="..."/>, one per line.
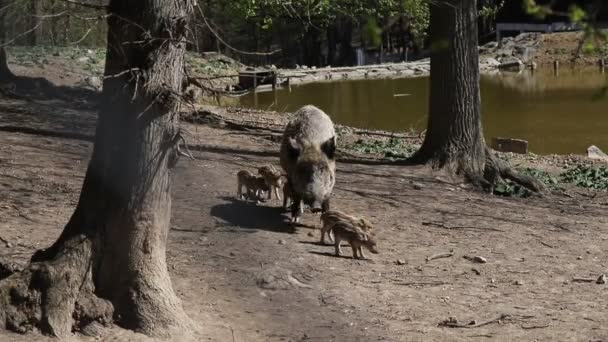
<point x="487" y="65"/>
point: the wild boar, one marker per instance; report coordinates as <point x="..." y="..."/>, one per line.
<point x="307" y="155"/>
<point x="356" y="237"/>
<point x="331" y="217"/>
<point x="253" y="185"/>
<point x="273" y="178"/>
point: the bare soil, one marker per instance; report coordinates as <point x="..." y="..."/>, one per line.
<point x="243" y="276"/>
<point x="230" y="260"/>
<point x="566" y="48"/>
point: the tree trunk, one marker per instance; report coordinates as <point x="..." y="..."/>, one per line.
<point x="34" y="22"/>
<point x="3" y="26"/>
<point x="5" y="73"/>
<point x="109" y="261"/>
<point x="454" y="136"/>
<point x="454" y="132"/>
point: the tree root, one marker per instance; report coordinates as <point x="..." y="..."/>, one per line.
<point x="54" y="296"/>
<point x="485" y="174"/>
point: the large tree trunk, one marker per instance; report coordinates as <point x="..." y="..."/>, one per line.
<point x="111" y="254"/>
<point x="454" y="137"/>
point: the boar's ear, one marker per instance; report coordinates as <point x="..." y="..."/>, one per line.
<point x="293" y="148"/>
<point x="329" y="147"/>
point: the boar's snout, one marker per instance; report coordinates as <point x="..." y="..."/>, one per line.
<point x="317" y="207"/>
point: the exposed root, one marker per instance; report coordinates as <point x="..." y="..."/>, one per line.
<point x="484" y="172"/>
<point x="54" y="296"/>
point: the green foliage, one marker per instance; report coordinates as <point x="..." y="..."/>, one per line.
<point x="541" y="175"/>
<point x="372" y="33"/>
<point x="540" y="11"/>
<point x="490" y="11"/>
<point x="419" y="14"/>
<point x="393" y="148"/>
<point x="586" y="176"/>
<point x="510" y="189"/>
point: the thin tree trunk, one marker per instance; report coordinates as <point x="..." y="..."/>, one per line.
<point x="3" y="26"/>
<point x="32" y="37"/>
<point x="5" y="73"/>
<point x="110" y="259"/>
<point x="454" y="137"/>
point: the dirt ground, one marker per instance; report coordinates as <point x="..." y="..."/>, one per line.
<point x="566" y="48"/>
<point x="242" y="276"/>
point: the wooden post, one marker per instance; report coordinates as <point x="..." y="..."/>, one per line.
<point x="556" y="68"/>
<point x="602" y="65"/>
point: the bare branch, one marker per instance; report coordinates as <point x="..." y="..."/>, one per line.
<point x="87" y="5"/>
<point x="217" y="36"/>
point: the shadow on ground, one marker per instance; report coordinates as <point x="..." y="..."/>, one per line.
<point x="249" y="215"/>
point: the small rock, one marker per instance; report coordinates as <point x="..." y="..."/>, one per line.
<point x="478" y="259"/>
<point x="84" y="59"/>
<point x="232" y="254"/>
<point x="282" y="242"/>
<point x="476" y="271"/>
<point x="593" y="152"/>
<point x="400" y="262"/>
<point x="602" y="279"/>
<point x="579" y="258"/>
<point x="518" y="283"/>
<point x="311" y="234"/>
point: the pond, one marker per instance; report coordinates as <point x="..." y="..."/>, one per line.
<point x="556" y="114"/>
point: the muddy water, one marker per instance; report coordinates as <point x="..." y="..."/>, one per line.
<point x="556" y="114"/>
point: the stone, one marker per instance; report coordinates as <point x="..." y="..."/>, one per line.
<point x="594" y="152"/>
<point x="93" y="81"/>
<point x="510" y="145"/>
<point x="511" y="63"/>
<point x="602" y="279"/>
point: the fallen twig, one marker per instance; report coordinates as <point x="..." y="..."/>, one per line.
<point x="439" y="256"/>
<point x="584" y="280"/>
<point x="534" y="327"/>
<point x="430" y="283"/>
<point x="441" y="225"/>
<point x="453" y="323"/>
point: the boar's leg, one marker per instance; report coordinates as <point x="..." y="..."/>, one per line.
<point x="276" y="193"/>
<point x="296" y="208"/>
<point x="325" y="206"/>
<point x="361" y="253"/>
<point x="337" y="245"/>
<point x="355" y="248"/>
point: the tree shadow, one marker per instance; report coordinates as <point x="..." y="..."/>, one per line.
<point x="249" y="215"/>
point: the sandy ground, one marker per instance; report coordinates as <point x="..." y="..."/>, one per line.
<point x="233" y="264"/>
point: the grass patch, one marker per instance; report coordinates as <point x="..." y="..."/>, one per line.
<point x="587" y="176"/>
<point x="393" y="148"/>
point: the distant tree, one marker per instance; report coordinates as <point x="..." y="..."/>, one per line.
<point x="109" y="261"/>
<point x="454" y="138"/>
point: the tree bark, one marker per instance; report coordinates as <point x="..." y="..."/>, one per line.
<point x="454" y="136"/>
<point x="5" y="73"/>
<point x="109" y="262"/>
<point x="3" y="25"/>
<point x="34" y="21"/>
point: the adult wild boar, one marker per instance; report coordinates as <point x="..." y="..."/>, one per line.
<point x="308" y="158"/>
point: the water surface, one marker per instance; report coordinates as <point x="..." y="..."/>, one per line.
<point x="556" y="114"/>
